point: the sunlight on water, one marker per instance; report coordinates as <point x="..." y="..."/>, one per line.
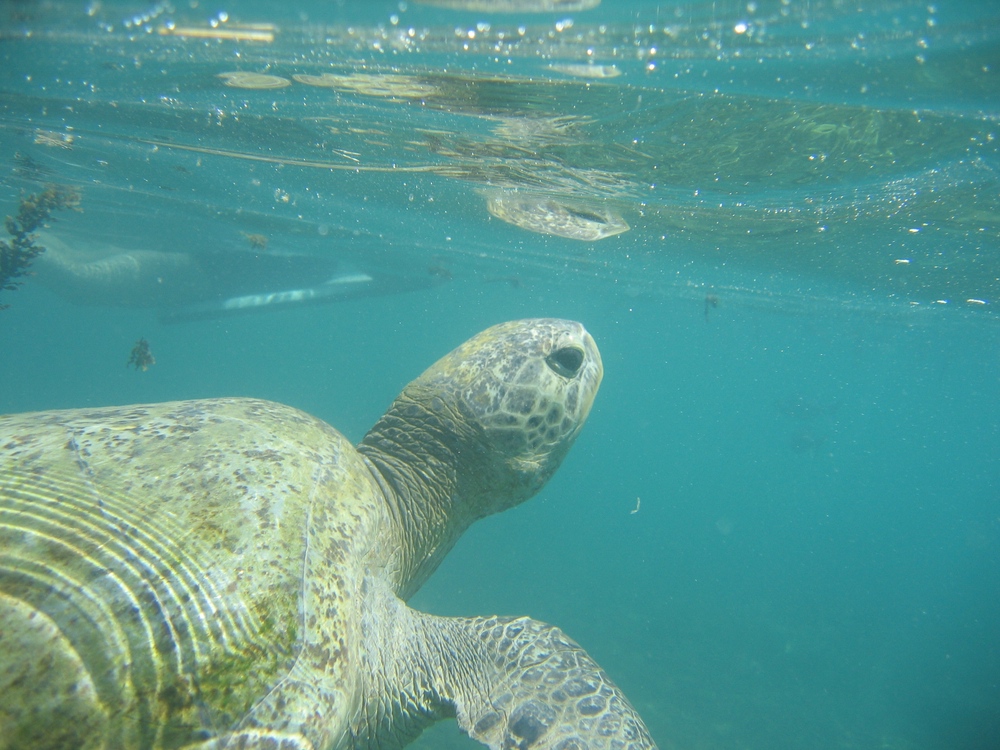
<point x="780" y="139"/>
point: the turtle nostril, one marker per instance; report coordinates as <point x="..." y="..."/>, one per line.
<point x="566" y="361"/>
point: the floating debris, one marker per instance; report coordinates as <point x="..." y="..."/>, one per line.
<point x="514" y="6"/>
<point x="247" y="33"/>
<point x="241" y="79"/>
<point x="586" y="70"/>
<point x="386" y="85"/>
<point x="17" y="255"/>
<point x="551" y="215"/>
<point x="256" y="241"/>
<point x="53" y="139"/>
<point x="325" y="80"/>
<point x="141" y="357"/>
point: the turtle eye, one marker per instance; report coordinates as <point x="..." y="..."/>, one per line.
<point x="565" y="361"/>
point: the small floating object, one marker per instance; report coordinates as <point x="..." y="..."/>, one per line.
<point x="514" y="6"/>
<point x="326" y="79"/>
<point x="586" y="70"/>
<point x="547" y="214"/>
<point x="248" y="33"/>
<point x="388" y="85"/>
<point x="242" y="79"/>
<point x="340" y="286"/>
<point x="256" y="241"/>
<point x="53" y="138"/>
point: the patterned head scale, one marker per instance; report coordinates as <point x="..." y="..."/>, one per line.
<point x="521" y="391"/>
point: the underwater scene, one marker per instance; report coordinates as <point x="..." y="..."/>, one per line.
<point x="778" y="219"/>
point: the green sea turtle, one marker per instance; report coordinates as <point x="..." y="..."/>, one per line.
<point x="231" y="573"/>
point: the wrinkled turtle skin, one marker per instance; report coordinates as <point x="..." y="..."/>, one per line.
<point x="232" y="573"/>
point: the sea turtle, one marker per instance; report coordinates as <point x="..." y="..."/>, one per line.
<point x="232" y="573"/>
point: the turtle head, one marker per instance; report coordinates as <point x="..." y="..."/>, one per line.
<point x="523" y="390"/>
<point x="498" y="414"/>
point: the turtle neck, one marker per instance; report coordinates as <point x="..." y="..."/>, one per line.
<point x="414" y="453"/>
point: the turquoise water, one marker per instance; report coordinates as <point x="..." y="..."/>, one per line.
<point x="798" y="326"/>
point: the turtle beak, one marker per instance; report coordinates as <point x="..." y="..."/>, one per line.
<point x="594" y="354"/>
<point x="591" y="373"/>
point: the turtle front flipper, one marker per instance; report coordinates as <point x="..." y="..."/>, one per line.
<point x="545" y="693"/>
<point x="513" y="683"/>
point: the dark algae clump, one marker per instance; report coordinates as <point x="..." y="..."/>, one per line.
<point x="141" y="357"/>
<point x="18" y="253"/>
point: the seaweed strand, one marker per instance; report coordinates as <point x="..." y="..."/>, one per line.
<point x="18" y="253"/>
